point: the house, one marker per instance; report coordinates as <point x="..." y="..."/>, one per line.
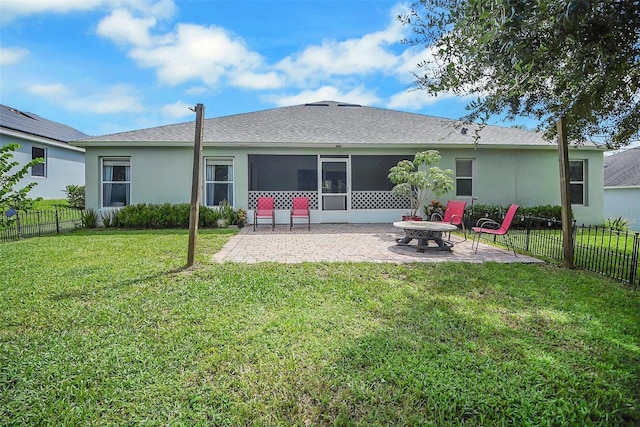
<point x="622" y="187"/>
<point x="338" y="155"/>
<point x="38" y="137"/>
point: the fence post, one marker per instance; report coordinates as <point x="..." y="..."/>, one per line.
<point x="528" y="235"/>
<point x="634" y="259"/>
<point x="57" y="221"/>
<point x="18" y="224"/>
<point x="39" y="223"/>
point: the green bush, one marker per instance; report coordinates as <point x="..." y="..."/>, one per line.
<point x="526" y="217"/>
<point x="169" y="215"/>
<point x="75" y="196"/>
<point x="89" y="218"/>
<point x="617" y="224"/>
<point x="111" y="219"/>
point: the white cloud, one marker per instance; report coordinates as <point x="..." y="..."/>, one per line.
<point x="326" y="93"/>
<point x="368" y="54"/>
<point x="12" y="9"/>
<point x="122" y="27"/>
<point x="196" y="90"/>
<point x="116" y="99"/>
<point x="110" y="100"/>
<point x="12" y="55"/>
<point x="49" y="91"/>
<point x="195" y="52"/>
<point x="177" y="109"/>
<point x="15" y="8"/>
<point x="215" y="56"/>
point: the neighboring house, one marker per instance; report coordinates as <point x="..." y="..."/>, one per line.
<point x="338" y="155"/>
<point x="38" y="137"/>
<point x="622" y="186"/>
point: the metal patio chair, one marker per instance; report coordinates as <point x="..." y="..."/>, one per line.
<point x="489" y="226"/>
<point x="300" y="209"/>
<point x="264" y="210"/>
<point x="453" y="214"/>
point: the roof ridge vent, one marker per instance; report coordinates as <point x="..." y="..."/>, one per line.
<point x="349" y="105"/>
<point x="316" y="104"/>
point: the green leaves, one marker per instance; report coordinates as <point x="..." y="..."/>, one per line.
<point x="416" y="184"/>
<point x="9" y="178"/>
<point x="542" y="59"/>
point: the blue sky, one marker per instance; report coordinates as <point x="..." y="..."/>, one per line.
<point x="105" y="66"/>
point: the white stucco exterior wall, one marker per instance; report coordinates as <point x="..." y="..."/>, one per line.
<point x="64" y="166"/>
<point x="527" y="176"/>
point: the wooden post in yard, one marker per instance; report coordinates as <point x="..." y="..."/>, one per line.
<point x="565" y="193"/>
<point x="195" y="186"/>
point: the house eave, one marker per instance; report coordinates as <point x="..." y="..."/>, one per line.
<point x="323" y="145"/>
<point x="40" y="139"/>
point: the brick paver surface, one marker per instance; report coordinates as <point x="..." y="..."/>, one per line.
<point x="348" y="243"/>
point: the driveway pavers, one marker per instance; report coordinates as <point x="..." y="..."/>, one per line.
<point x="348" y="243"/>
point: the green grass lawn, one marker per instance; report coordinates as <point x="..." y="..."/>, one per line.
<point x="49" y="204"/>
<point x="107" y="328"/>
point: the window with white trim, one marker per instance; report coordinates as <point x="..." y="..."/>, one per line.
<point x="41" y="168"/>
<point x="116" y="182"/>
<point x="464" y="177"/>
<point x="577" y="182"/>
<point x="218" y="182"/>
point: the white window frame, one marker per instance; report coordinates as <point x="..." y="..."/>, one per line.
<point x="582" y="182"/>
<point x="44" y="165"/>
<point x="221" y="161"/>
<point x="125" y="161"/>
<point x="472" y="178"/>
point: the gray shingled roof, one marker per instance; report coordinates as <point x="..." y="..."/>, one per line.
<point x="32" y="124"/>
<point x="325" y="122"/>
<point x="622" y="169"/>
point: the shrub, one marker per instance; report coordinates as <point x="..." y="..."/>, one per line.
<point x="526" y="217"/>
<point x="89" y="218"/>
<point x="111" y="219"/>
<point x="170" y="216"/>
<point x="75" y="196"/>
<point x="227" y="213"/>
<point x="106" y="219"/>
<point x="617" y="224"/>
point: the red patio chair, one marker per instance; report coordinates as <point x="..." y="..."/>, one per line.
<point x="300" y="209"/>
<point x="264" y="210"/>
<point x="489" y="226"/>
<point x="453" y="214"/>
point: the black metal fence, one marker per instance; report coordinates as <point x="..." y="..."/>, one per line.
<point x="602" y="250"/>
<point x="613" y="253"/>
<point x="40" y="223"/>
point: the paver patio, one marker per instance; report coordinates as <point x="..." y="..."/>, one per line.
<point x="348" y="243"/>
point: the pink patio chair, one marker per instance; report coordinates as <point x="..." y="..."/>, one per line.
<point x="453" y="214"/>
<point x="489" y="226"/>
<point x="300" y="209"/>
<point x="264" y="210"/>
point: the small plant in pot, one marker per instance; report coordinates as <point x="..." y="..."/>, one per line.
<point x="242" y="218"/>
<point x="225" y="214"/>
<point x="419" y="180"/>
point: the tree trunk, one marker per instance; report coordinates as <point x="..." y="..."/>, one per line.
<point x="565" y="194"/>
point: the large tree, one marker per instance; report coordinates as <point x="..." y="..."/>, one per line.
<point x="572" y="65"/>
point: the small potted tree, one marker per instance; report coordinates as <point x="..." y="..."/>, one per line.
<point x="419" y="180"/>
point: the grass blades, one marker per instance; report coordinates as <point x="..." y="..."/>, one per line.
<point x="107" y="328"/>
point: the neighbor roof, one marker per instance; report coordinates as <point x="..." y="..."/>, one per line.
<point x="622" y="169"/>
<point x="32" y="124"/>
<point x="325" y="122"/>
